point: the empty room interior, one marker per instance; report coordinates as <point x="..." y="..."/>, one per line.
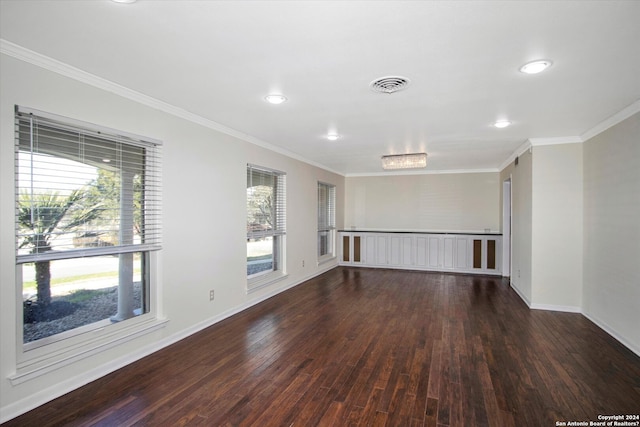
<point x="319" y="213"/>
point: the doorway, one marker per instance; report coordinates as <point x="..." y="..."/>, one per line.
<point x="506" y="228"/>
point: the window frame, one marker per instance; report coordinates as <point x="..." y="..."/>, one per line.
<point x="278" y="231"/>
<point x="326" y="220"/>
<point x="45" y="354"/>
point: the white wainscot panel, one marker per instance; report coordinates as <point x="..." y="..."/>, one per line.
<point x="434" y="245"/>
<point x="396" y="250"/>
<point x="421" y="251"/>
<point x="449" y="245"/>
<point x="464" y="253"/>
<point x="407" y="250"/>
<point x="401" y="248"/>
<point x="381" y="249"/>
<point x="370" y="249"/>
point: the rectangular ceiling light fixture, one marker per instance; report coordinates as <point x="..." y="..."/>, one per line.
<point x="404" y="161"/>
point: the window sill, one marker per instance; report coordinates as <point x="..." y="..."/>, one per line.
<point x="48" y="362"/>
<point x="326" y="260"/>
<point x="268" y="279"/>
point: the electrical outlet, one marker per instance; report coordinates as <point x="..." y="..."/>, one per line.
<point x="303" y="263"/>
<point x="211" y="295"/>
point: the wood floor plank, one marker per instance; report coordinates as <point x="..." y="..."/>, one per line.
<point x="491" y="409"/>
<point x="431" y="414"/>
<point x="365" y="347"/>
<point x="434" y="370"/>
<point x="368" y="413"/>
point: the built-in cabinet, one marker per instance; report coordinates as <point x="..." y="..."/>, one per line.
<point x="463" y="253"/>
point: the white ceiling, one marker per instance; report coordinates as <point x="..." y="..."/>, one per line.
<point x="218" y="59"/>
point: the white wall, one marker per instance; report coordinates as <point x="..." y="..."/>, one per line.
<point x="204" y="209"/>
<point x="576" y="228"/>
<point x="557" y="227"/>
<point x="428" y="202"/>
<point x="612" y="231"/>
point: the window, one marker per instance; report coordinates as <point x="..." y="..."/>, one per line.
<point x="266" y="223"/>
<point x="87" y="222"/>
<point x="326" y="220"/>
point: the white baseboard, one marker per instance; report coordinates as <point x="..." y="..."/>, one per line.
<point x="548" y="307"/>
<point x="602" y="325"/>
<point x="520" y="294"/>
<point x="572" y="309"/>
<point x="551" y="307"/>
<point x="46" y="395"/>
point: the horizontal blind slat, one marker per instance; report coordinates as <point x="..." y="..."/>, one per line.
<point x="266" y="202"/>
<point x="75" y="183"/>
<point x="326" y="207"/>
<point x="87" y="252"/>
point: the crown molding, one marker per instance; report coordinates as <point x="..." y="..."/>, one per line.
<point x="420" y="172"/>
<point x="518" y="152"/>
<point x="537" y="142"/>
<point x="597" y="129"/>
<point x="50" y="64"/>
<point x="53" y="65"/>
<point x="612" y="121"/>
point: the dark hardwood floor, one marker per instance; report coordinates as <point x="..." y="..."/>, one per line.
<point x="371" y="347"/>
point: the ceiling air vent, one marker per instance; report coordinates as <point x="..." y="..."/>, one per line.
<point x="389" y="84"/>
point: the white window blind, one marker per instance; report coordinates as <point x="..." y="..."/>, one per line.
<point x="326" y="220"/>
<point x="266" y="202"/>
<point x="83" y="190"/>
<point x="326" y="207"/>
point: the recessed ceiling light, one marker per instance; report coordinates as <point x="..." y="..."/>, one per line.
<point x="275" y="99"/>
<point x="502" y="123"/>
<point x="124" y="1"/>
<point x="536" y="67"/>
<point x="333" y="136"/>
